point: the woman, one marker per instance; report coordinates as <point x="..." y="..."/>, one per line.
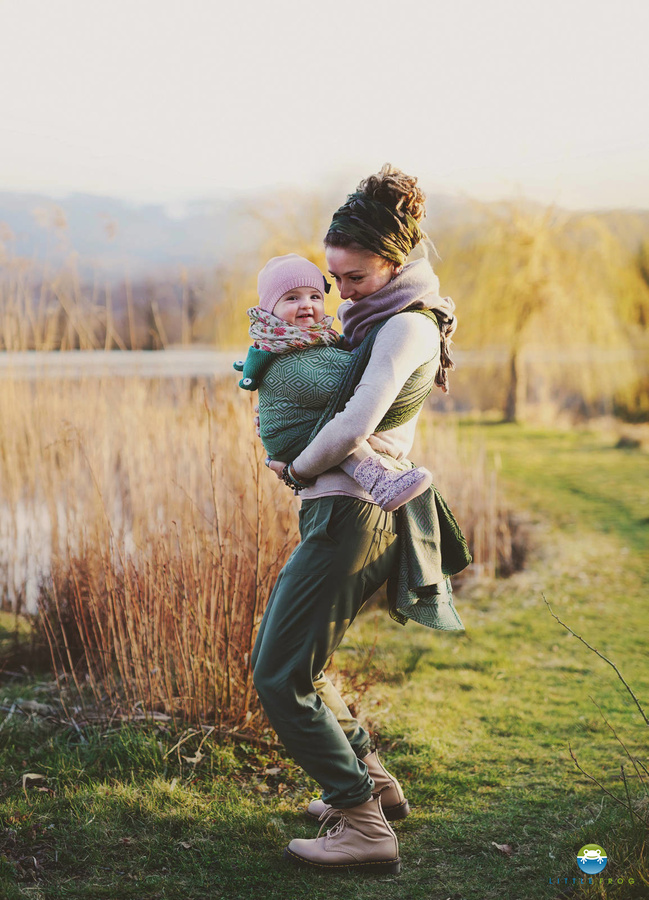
<point x="349" y="545"/>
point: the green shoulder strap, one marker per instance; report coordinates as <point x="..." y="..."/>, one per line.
<point x="410" y="399"/>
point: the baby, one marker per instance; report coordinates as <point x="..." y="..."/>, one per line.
<point x="294" y="388"/>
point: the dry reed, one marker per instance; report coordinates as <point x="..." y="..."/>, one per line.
<point x="154" y="544"/>
<point x="158" y="535"/>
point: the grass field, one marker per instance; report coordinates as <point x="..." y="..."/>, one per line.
<point x="477" y="727"/>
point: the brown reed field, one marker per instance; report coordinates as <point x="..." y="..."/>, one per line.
<point x="161" y="532"/>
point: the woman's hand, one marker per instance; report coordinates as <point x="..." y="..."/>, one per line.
<point x="277" y="467"/>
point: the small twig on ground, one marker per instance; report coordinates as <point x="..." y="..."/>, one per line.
<point x="601" y="656"/>
<point x="78" y="730"/>
<point x="10" y="711"/>
<point x="247" y="737"/>
<point x="183" y="738"/>
<point x="207" y="734"/>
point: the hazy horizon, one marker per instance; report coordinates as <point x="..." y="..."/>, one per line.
<point x="176" y="205"/>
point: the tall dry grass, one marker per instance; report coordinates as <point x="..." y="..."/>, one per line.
<point x="143" y="511"/>
<point x="157" y="536"/>
<point x="464" y="475"/>
<point x="57" y="309"/>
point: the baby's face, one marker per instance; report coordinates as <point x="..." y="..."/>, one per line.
<point x="302" y="306"/>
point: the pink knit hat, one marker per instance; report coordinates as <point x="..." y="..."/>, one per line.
<point x="282" y="274"/>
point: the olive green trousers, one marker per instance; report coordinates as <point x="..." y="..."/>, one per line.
<point x="347" y="551"/>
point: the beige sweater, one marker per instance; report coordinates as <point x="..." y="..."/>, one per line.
<point x="404" y="343"/>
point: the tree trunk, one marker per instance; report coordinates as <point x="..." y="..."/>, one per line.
<point x="516" y="392"/>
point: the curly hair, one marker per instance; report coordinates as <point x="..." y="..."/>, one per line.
<point x="397" y="190"/>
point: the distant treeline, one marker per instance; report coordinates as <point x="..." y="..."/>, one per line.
<point x="557" y="303"/>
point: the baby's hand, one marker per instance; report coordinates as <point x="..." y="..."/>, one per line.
<point x="255" y="421"/>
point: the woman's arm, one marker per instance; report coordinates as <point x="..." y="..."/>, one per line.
<point x="403" y="344"/>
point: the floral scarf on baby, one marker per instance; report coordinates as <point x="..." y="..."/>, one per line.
<point x="277" y="336"/>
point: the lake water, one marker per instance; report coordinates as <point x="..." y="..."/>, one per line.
<point x="32" y="365"/>
<point x="190" y="363"/>
<point x="25" y="532"/>
<point x="26" y="529"/>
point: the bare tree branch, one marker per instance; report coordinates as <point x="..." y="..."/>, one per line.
<point x="628" y="795"/>
<point x="601" y="656"/>
<point x="634" y="762"/>
<point x="601" y="786"/>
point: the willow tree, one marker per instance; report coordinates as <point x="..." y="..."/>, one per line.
<point x="544" y="280"/>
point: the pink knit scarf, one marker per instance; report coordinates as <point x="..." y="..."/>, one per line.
<point x="415" y="287"/>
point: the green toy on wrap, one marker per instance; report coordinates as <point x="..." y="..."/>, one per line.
<point x="253" y="368"/>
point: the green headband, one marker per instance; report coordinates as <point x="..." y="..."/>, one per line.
<point x="376" y="227"/>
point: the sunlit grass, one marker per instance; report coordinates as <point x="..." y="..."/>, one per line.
<point x="477" y="727"/>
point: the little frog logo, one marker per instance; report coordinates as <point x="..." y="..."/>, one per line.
<point x="592" y="859"/>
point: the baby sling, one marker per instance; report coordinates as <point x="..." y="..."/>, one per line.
<point x="301" y="391"/>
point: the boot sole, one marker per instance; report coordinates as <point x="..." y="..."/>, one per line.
<point x="397" y="812"/>
<point x="392" y="813"/>
<point x="371" y="867"/>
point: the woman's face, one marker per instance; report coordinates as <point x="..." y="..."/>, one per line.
<point x="358" y="273"/>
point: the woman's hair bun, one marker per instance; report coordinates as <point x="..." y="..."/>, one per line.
<point x="395" y="189"/>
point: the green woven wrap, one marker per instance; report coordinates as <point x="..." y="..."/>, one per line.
<point x="301" y="391"/>
<point x="294" y="390"/>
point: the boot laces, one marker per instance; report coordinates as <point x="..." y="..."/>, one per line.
<point x="339" y="826"/>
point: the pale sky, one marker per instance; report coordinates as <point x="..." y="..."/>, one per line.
<point x="181" y="99"/>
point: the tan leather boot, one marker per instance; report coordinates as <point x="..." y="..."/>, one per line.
<point x="393" y="802"/>
<point x="361" y="840"/>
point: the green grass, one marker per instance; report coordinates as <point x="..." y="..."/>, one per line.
<point x="476" y="726"/>
<point x="14" y="632"/>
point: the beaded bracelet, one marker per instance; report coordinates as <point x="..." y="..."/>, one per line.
<point x="289" y="478"/>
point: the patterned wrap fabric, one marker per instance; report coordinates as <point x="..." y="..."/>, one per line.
<point x="298" y="391"/>
<point x="294" y="390"/>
